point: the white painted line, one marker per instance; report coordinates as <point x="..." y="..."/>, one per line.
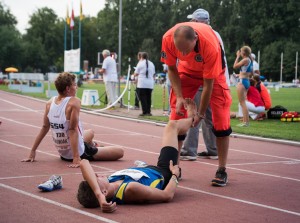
<point x="47" y="175"/>
<point x="241" y="201"/>
<point x="216" y="195"/>
<point x="22" y="123"/>
<point x="258" y="163"/>
<point x="234" y="135"/>
<point x="49" y="154"/>
<point x="18" y="110"/>
<point x="9" y="102"/>
<point x="252" y="172"/>
<point x="60" y="205"/>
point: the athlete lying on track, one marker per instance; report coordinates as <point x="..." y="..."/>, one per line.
<point x="138" y="184"/>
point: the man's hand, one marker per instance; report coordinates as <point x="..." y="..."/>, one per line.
<point x="180" y="102"/>
<point x="108" y="207"/>
<point x="75" y="163"/>
<point x="174" y="169"/>
<point x="31" y="157"/>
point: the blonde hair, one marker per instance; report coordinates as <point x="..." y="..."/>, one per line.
<point x="246" y="50"/>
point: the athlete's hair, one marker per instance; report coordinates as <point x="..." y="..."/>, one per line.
<point x="63" y="81"/>
<point x="247" y="51"/>
<point x="188" y="32"/>
<point x="86" y="196"/>
<point x="145" y="56"/>
<point x="252" y="82"/>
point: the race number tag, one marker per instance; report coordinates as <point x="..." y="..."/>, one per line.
<point x="60" y="139"/>
<point x="134" y="174"/>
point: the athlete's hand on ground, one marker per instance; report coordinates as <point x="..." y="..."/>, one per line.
<point x="31" y="157"/>
<point x="180" y="102"/>
<point x="174" y="169"/>
<point x="75" y="163"/>
<point x="108" y="207"/>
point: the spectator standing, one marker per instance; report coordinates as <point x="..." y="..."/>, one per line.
<point x="255" y="64"/>
<point x="145" y="71"/>
<point x="246" y="71"/>
<point x="137" y="99"/>
<point x="110" y="76"/>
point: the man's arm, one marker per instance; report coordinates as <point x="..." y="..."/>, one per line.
<point x="136" y="192"/>
<point x="205" y="99"/>
<point x="44" y="130"/>
<point x="73" y="129"/>
<point x="176" y="87"/>
<point x="90" y="176"/>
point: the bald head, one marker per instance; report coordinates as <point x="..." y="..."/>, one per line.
<point x="185" y="39"/>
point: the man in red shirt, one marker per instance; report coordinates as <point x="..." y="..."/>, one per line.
<point x="194" y="56"/>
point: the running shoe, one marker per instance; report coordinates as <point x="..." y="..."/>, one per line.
<point x="243" y="124"/>
<point x="205" y="155"/>
<point x="185" y="157"/>
<point x="54" y="183"/>
<point x="220" y="178"/>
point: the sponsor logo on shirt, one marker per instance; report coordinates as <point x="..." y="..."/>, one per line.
<point x="198" y="58"/>
<point x="163" y="54"/>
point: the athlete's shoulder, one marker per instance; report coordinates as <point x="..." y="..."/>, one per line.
<point x="74" y="101"/>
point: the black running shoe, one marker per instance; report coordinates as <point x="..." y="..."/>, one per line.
<point x="220" y="178"/>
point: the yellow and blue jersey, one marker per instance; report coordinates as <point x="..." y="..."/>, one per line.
<point x="151" y="178"/>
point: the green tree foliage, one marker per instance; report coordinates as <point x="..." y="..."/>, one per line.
<point x="270" y="27"/>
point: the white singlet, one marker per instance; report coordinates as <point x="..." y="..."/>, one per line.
<point x="60" y="129"/>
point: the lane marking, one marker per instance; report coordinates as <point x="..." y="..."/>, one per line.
<point x="49" y="154"/>
<point x="61" y="205"/>
<point x="47" y="175"/>
<point x="274" y="162"/>
<point x="221" y="196"/>
<point x="9" y="102"/>
<point x="242" y="201"/>
<point x="18" y="110"/>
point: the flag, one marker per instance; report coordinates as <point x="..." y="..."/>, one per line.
<point x="81" y="15"/>
<point x="67" y="17"/>
<point x="72" y="22"/>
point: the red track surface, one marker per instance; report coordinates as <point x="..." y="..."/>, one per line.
<point x="264" y="178"/>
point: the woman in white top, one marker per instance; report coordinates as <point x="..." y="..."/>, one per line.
<point x="145" y="71"/>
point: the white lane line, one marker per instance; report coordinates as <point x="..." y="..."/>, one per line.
<point x="241" y="201"/>
<point x="22" y="123"/>
<point x="217" y="195"/>
<point x="257" y="163"/>
<point x="18" y="110"/>
<point x="61" y="205"/>
<point x="49" y="154"/>
<point x="252" y="172"/>
<point x="9" y="102"/>
<point x="47" y="175"/>
<point x="145" y="151"/>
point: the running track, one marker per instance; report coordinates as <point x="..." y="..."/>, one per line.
<point x="264" y="178"/>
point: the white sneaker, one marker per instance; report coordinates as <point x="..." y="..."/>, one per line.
<point x="54" y="183"/>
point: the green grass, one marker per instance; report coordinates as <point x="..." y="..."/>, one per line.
<point x="287" y="97"/>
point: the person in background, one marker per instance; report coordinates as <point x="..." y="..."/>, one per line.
<point x="190" y="144"/>
<point x="145" y="71"/>
<point x="246" y="71"/>
<point x="168" y="83"/>
<point x="137" y="99"/>
<point x="254" y="103"/>
<point x="110" y="76"/>
<point x="255" y="64"/>
<point x="264" y="92"/>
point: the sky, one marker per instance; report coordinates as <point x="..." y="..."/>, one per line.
<point x="22" y="9"/>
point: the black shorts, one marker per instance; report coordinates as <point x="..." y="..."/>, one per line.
<point x="89" y="152"/>
<point x="167" y="153"/>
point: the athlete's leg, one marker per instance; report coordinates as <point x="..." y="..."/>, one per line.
<point x="109" y="153"/>
<point x="242" y="99"/>
<point x="88" y="136"/>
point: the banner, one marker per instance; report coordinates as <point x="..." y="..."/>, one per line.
<point x="72" y="61"/>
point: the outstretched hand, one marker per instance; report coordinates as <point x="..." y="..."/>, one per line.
<point x="31" y="157"/>
<point x="75" y="163"/>
<point x="108" y="207"/>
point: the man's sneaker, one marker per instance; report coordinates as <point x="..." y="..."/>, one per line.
<point x="220" y="178"/>
<point x="243" y="124"/>
<point x="205" y="155"/>
<point x="139" y="163"/>
<point x="188" y="158"/>
<point x="54" y="183"/>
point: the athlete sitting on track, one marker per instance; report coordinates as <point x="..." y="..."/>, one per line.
<point x="138" y="184"/>
<point x="71" y="141"/>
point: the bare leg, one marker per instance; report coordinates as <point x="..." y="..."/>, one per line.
<point x="109" y="153"/>
<point x="242" y="99"/>
<point x="223" y="145"/>
<point x="88" y="136"/>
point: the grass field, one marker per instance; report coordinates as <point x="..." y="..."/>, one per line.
<point x="287" y="97"/>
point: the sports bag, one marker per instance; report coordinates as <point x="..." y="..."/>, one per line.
<point x="276" y="112"/>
